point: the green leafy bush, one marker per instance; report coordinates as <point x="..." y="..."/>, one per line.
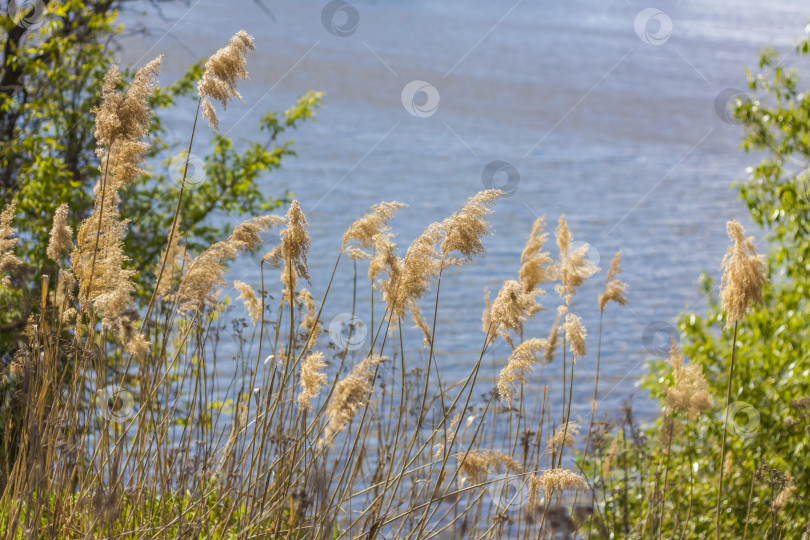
<point x="672" y="490"/>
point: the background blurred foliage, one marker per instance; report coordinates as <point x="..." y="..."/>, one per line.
<point x="50" y="80"/>
<point x="769" y="436"/>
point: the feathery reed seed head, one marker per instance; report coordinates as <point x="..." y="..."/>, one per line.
<point x="575" y="334"/>
<point x="615" y="289"/>
<point x="384" y="259"/>
<point x="535" y="262"/>
<point x="667" y="432"/>
<point x="554" y="336"/>
<point x="122" y="123"/>
<point x="61" y="237"/>
<point x="9" y="263"/>
<point x="253" y="305"/>
<point x="573" y="267"/>
<point x="126" y="116"/>
<point x="520" y="363"/>
<point x="351" y="394"/>
<point x="433" y="250"/>
<point x="535" y="484"/>
<point x="366" y="228"/>
<point x="416" y="272"/>
<point x="689" y="391"/>
<point x="222" y="71"/>
<point x="743" y="275"/>
<point x="463" y="231"/>
<point x="294" y="243"/>
<point x="312" y="379"/>
<point x="477" y="464"/>
<point x="556" y="442"/>
<point x="561" y="480"/>
<point x="512" y="307"/>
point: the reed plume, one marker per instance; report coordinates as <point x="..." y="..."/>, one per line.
<point x="295" y="241"/>
<point x="61" y="237"/>
<point x="561" y="480"/>
<point x="291" y="253"/>
<point x="535" y="484"/>
<point x="421" y="324"/>
<point x="420" y="266"/>
<point x="99" y="264"/>
<point x="476" y="465"/>
<point x="222" y="71"/>
<point x="743" y="275"/>
<point x="512" y="307"/>
<point x="573" y="266"/>
<point x="667" y="432"/>
<point x="464" y="230"/>
<point x="374" y="240"/>
<point x="689" y="392"/>
<point x="312" y="379"/>
<point x="122" y="124"/>
<point x="575" y="334"/>
<point x="534" y="262"/>
<point x="521" y="362"/>
<point x="351" y="394"/>
<point x="615" y="290"/>
<point x="384" y="260"/>
<point x="364" y="230"/>
<point x="134" y="342"/>
<point x="253" y="305"/>
<point x="564" y="436"/>
<point x="554" y="336"/>
<point x="9" y="263"/>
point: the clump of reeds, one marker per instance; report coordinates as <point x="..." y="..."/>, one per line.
<point x="312" y="438"/>
<point x="8" y="261"/>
